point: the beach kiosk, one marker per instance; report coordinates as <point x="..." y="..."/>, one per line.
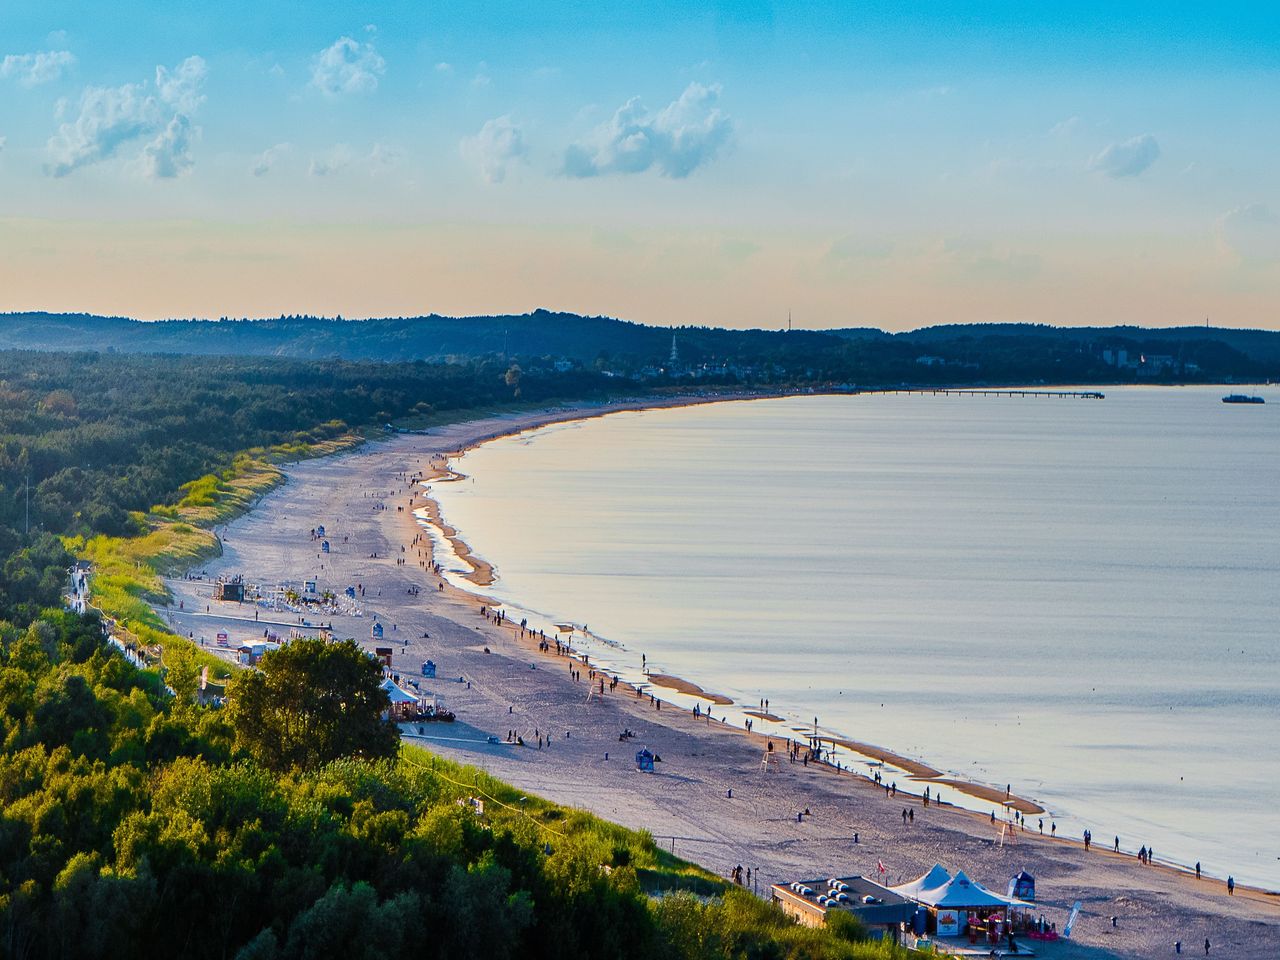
<point x="376" y="630"/>
<point x="402" y="705"/>
<point x="644" y="760"/>
<point x="320" y="530"/>
<point x="324" y="546"/>
<point x="962" y="905"/>
<point x="429" y="669"/>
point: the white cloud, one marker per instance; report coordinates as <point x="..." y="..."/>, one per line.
<point x="169" y="154"/>
<point x="347" y="67"/>
<point x="1065" y="128"/>
<point x="1250" y="233"/>
<point x="334" y="161"/>
<point x="676" y="141"/>
<point x="499" y="143"/>
<point x="443" y="67"/>
<point x="341" y="157"/>
<point x="33" y="69"/>
<point x="1127" y="159"/>
<point x="180" y="87"/>
<point x="268" y="158"/>
<point x="113" y="117"/>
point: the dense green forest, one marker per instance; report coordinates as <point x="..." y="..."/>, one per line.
<point x="969" y="353"/>
<point x="138" y="824"/>
<point x="99" y="436"/>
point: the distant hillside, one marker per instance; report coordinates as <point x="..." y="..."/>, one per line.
<point x="950" y="354"/>
<point x="536" y="334"/>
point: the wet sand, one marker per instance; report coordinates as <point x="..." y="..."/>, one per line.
<point x="690" y="689"/>
<point x="685" y="805"/>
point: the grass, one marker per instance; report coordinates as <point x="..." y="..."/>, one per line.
<point x="659" y="871"/>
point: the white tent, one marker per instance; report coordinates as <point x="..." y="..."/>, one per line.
<point x="935" y="878"/>
<point x="397" y="695"/>
<point x="961" y="893"/>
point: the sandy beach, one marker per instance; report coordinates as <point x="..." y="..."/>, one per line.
<point x="714" y="799"/>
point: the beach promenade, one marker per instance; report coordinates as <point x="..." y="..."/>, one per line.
<point x="712" y="799"/>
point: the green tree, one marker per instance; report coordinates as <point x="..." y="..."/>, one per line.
<point x="312" y="702"/>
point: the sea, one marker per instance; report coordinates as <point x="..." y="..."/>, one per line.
<point x="1075" y="598"/>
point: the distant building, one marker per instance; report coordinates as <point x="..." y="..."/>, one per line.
<point x="928" y="361"/>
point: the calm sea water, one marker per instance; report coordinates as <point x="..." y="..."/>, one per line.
<point x="1078" y="598"/>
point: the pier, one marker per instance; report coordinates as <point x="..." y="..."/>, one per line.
<point x="993" y="392"/>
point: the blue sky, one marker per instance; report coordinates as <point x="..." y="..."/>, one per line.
<point x="857" y="164"/>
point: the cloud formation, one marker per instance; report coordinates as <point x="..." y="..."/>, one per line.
<point x="33" y="69"/>
<point x="1250" y="233"/>
<point x="267" y="159"/>
<point x="683" y="136"/>
<point x="348" y="66"/>
<point x="499" y="143"/>
<point x="113" y="117"/>
<point x="1127" y="159"/>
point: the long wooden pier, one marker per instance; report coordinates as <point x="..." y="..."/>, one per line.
<point x="993" y="392"/>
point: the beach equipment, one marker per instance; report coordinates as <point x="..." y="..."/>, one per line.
<point x="429" y="669"/>
<point x="644" y="760"/>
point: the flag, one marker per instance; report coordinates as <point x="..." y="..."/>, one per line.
<point x="880" y="866"/>
<point x="1071" y="920"/>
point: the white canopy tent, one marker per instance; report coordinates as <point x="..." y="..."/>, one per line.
<point x="935" y="878"/>
<point x="961" y="893"/>
<point x="397" y="695"/>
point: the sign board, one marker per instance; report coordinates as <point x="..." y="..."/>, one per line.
<point x="948" y="923"/>
<point x="222" y="639"/>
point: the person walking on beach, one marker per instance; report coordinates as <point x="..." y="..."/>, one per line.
<point x="1231" y="886"/>
<point x="1117" y="848"/>
<point x="1197" y="869"/>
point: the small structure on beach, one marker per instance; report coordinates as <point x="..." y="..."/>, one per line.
<point x="376" y="630"/>
<point x="644" y="760"/>
<point x="230" y="590"/>
<point x="429" y="669"/>
<point x="320" y="530"/>
<point x="880" y="909"/>
<point x="1022" y="886"/>
<point x="382" y="655"/>
<point x="960" y="905"/>
<point x="250" y="653"/>
<point x="324" y="546"/>
<point x="403" y="705"/>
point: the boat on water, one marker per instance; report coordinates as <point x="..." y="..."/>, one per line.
<point x="1241" y="398"/>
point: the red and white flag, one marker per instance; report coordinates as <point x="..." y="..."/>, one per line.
<point x="880" y="866"/>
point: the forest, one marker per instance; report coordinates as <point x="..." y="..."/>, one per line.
<point x="87" y="440"/>
<point x="137" y="823"/>
<point x="865" y="356"/>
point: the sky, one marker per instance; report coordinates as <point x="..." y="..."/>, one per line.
<point x="851" y="164"/>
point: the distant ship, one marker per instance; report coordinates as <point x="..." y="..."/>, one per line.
<point x="1241" y="398"/>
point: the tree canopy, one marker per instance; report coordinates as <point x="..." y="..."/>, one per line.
<point x="312" y="702"/>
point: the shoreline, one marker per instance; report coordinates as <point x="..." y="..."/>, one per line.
<point x="711" y="800"/>
<point x="483" y="574"/>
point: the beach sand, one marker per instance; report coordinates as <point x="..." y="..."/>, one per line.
<point x="496" y="682"/>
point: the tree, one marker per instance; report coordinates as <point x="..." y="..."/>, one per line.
<point x="312" y="702"/>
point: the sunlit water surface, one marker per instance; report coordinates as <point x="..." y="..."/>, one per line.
<point x="1079" y="598"/>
